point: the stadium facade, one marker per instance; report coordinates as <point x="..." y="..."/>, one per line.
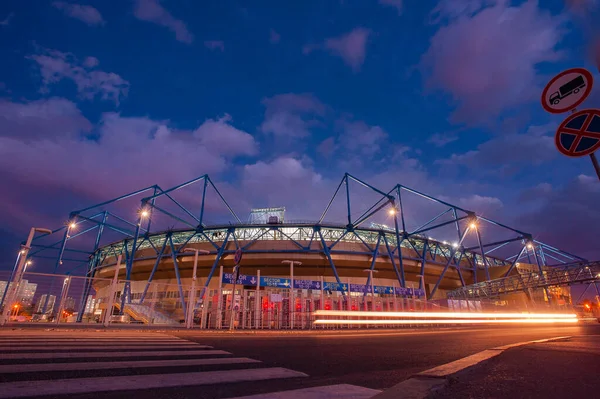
<point x="290" y="269"/>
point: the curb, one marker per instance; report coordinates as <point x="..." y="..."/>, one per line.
<point x="422" y="384"/>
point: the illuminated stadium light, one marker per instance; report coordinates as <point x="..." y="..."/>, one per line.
<point x="144" y="213"/>
<point x="472" y="226"/>
<point x="392" y="211"/>
<point x="455" y="244"/>
<point x="72" y="225"/>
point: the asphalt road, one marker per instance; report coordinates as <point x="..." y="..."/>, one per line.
<point x="372" y="359"/>
<point x="376" y="360"/>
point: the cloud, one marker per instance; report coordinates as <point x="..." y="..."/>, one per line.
<point x="220" y="136"/>
<point x="441" y="139"/>
<point x="508" y="153"/>
<point x="358" y="137"/>
<point x="351" y="47"/>
<point x="397" y="4"/>
<point x="90" y="62"/>
<point x="126" y="152"/>
<point x="274" y="37"/>
<point x="286" y="181"/>
<point x="56" y="66"/>
<point x="535" y="193"/>
<point x="87" y="14"/>
<point x="215" y="45"/>
<point x="291" y="115"/>
<point x="486" y="53"/>
<point x="568" y="217"/>
<point x="42" y="119"/>
<point x="480" y="204"/>
<point x="152" y="11"/>
<point x="6" y="21"/>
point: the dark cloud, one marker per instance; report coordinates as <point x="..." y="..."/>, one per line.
<point x="485" y="55"/>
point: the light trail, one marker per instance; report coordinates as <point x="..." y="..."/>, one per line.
<point x="449" y="315"/>
<point x="446" y="321"/>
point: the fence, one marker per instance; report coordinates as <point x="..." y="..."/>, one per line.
<point x="59" y="299"/>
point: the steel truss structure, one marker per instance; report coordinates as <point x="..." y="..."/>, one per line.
<point x="575" y="273"/>
<point x="317" y="236"/>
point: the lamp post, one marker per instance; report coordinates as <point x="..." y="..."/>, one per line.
<point x="13" y="288"/>
<point x="291" y="263"/>
<point x="371" y="271"/>
<point x="189" y="320"/>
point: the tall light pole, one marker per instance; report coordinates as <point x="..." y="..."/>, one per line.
<point x="189" y="319"/>
<point x="371" y="271"/>
<point x="13" y="288"/>
<point x="292" y="263"/>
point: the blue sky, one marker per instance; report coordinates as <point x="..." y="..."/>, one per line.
<point x="276" y="100"/>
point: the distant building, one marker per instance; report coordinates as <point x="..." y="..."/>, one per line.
<point x="49" y="307"/>
<point x="24" y="295"/>
<point x="90" y="304"/>
<point x="69" y="303"/>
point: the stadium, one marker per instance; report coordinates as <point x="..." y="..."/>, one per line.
<point x="268" y="272"/>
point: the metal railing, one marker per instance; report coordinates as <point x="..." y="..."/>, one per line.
<point x="551" y="276"/>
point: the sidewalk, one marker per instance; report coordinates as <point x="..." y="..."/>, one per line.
<point x="561" y="369"/>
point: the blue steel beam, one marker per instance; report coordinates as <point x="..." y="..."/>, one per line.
<point x="413" y="191"/>
<point x="436" y="218"/>
<point x="214" y="266"/>
<point x="372" y="267"/>
<point x="331" y="200"/>
<point x="225" y="202"/>
<point x="423" y="259"/>
<point x="154" y="268"/>
<point x="452" y="253"/>
<point x="399" y="276"/>
<point x="177" y="276"/>
<point x="122" y="197"/>
<point x="333" y="268"/>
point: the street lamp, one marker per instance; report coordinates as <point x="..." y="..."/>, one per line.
<point x="291" y="304"/>
<point x="189" y="317"/>
<point x="13" y="288"/>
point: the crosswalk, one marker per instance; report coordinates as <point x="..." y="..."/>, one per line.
<point x="57" y="363"/>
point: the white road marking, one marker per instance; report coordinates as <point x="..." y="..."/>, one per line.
<point x="131" y="382"/>
<point x="341" y="391"/>
<point x="37" y="367"/>
<point x="74" y="355"/>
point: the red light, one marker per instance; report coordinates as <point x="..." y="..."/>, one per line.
<point x="298" y="306"/>
<point x="353" y="307"/>
<point x="327" y="307"/>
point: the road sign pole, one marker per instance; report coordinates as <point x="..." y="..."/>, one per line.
<point x="595" y="163"/>
<point x="235" y="275"/>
